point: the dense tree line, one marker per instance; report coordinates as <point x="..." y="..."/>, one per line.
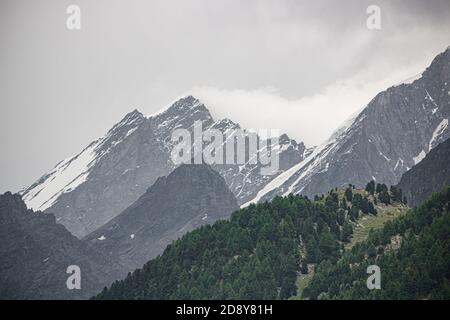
<point x="413" y="253"/>
<point x="256" y="254"/>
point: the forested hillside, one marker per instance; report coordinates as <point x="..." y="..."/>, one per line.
<point x="259" y="252"/>
<point x="413" y="253"/>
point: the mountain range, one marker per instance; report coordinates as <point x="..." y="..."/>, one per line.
<point x="388" y="137"/>
<point x="93" y="187"/>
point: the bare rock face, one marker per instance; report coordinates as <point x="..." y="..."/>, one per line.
<point x="191" y="196"/>
<point x="430" y="175"/>
<point x="389" y="136"/>
<point x="35" y="252"/>
<point x="93" y="187"/>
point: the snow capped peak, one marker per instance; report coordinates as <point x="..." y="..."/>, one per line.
<point x="135" y="113"/>
<point x="183" y="113"/>
<point x="132" y="118"/>
<point x="181" y="104"/>
<point x="187" y="103"/>
<point x="68" y="174"/>
<point x="183" y="108"/>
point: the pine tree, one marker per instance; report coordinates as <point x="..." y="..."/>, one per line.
<point x="312" y="251"/>
<point x="354" y="213"/>
<point x="349" y="194"/>
<point x="370" y="187"/>
<point x="344" y="205"/>
<point x="396" y="194"/>
<point x="381" y="187"/>
<point x="384" y="197"/>
<point x="371" y="251"/>
<point x="346" y="232"/>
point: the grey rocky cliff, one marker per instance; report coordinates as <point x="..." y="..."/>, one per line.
<point x="191" y="196"/>
<point x="430" y="175"/>
<point x="35" y="252"/>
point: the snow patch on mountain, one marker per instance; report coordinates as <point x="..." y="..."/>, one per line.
<point x="438" y="132"/>
<point x="65" y="177"/>
<point x="312" y="161"/>
<point x="419" y="157"/>
<point x="72" y="172"/>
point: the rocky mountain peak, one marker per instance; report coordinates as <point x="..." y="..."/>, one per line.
<point x="91" y="188"/>
<point x="181" y="114"/>
<point x="391" y="134"/>
<point x="135" y="114"/>
<point x="186" y="105"/>
<point x="130" y="120"/>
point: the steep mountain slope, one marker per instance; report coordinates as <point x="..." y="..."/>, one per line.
<point x="389" y="136"/>
<point x="35" y="252"/>
<point x="430" y="175"/>
<point x="191" y="196"/>
<point x="91" y="188"/>
<point x="412" y="252"/>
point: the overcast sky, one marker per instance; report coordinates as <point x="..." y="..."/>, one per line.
<point x="291" y="65"/>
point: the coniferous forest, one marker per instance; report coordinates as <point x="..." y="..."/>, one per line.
<point x="262" y="249"/>
<point x="413" y="253"/>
